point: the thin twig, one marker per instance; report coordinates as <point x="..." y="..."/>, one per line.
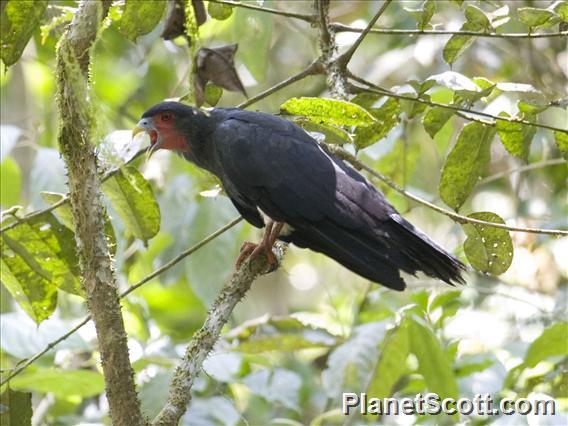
<point x="344" y="59"/>
<point x="540" y="164"/>
<point x="303" y="17"/>
<point x="381" y="91"/>
<point x="125" y="293"/>
<point x="312" y="69"/>
<point x="394" y="31"/>
<point x="358" y="164"/>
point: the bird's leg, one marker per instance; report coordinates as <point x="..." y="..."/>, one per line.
<point x="252" y="250"/>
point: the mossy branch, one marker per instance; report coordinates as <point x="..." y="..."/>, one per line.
<point x="76" y="122"/>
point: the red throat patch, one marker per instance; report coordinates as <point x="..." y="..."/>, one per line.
<point x="171" y="138"/>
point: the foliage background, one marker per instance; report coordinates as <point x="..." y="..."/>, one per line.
<point x="312" y="329"/>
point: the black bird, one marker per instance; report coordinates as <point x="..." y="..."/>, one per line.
<point x="279" y="177"/>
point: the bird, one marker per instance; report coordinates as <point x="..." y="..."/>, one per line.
<point x="279" y="178"/>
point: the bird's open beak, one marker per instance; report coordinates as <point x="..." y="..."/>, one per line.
<point x="136" y="130"/>
<point x="147" y="125"/>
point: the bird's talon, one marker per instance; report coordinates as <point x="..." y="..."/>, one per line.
<point x="252" y="251"/>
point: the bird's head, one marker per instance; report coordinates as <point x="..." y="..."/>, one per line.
<point x="167" y="124"/>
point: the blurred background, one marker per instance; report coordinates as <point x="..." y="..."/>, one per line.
<point x="312" y="329"/>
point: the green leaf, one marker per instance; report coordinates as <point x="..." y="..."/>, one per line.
<point x="219" y="11"/>
<point x="424" y="14"/>
<point x="534" y="17"/>
<point x="140" y="17"/>
<point x="328" y="111"/>
<point x="455" y="81"/>
<point x="10" y="182"/>
<point x="562" y="10"/>
<point x="386" y="116"/>
<point x="530" y="108"/>
<point x="476" y="17"/>
<point x="133" y="199"/>
<point x="213" y="93"/>
<point x="333" y="135"/>
<point x="433" y="363"/>
<point x="488" y="249"/>
<point x="65" y="216"/>
<point x="17" y="24"/>
<point x="561" y="139"/>
<point x="278" y="334"/>
<point x="552" y="342"/>
<point x="458" y="44"/>
<point x="62" y="383"/>
<point x="400" y="162"/>
<point x="516" y="137"/>
<point x="391" y="365"/>
<point x="435" y="119"/>
<point x="16" y="409"/>
<point x="467" y="369"/>
<point x="465" y="163"/>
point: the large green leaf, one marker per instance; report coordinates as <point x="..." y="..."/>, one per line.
<point x="516" y="137"/>
<point x="458" y="44"/>
<point x="552" y="342"/>
<point x="280" y="333"/>
<point x="332" y="134"/>
<point x="328" y="111"/>
<point x="423" y="14"/>
<point x="219" y="11"/>
<point x="562" y="143"/>
<point x="386" y="116"/>
<point x="435" y="119"/>
<point x="465" y="163"/>
<point x="17" y="24"/>
<point x="534" y="17"/>
<point x="433" y="363"/>
<point x="16" y="408"/>
<point x="140" y="17"/>
<point x="38" y="256"/>
<point x="133" y="199"/>
<point x="391" y="365"/>
<point x="488" y="249"/>
<point x="62" y="383"/>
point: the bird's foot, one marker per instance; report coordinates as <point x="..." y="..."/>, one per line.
<point x="252" y="251"/>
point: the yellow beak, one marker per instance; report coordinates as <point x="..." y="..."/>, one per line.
<point x="136" y="130"/>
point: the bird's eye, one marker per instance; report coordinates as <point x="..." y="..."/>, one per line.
<point x="166" y="117"/>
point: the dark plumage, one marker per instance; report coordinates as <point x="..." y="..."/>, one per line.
<point x="269" y="166"/>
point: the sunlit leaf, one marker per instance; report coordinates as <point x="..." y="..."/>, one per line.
<point x="219" y="11"/>
<point x="552" y="342"/>
<point x="534" y="17"/>
<point x="516" y="137"/>
<point x="488" y="249"/>
<point x="62" y="383"/>
<point x="435" y="119"/>
<point x="386" y="116"/>
<point x="213" y="94"/>
<point x="10" y="182"/>
<point x="133" y="199"/>
<point x="17" y="24"/>
<point x="328" y="111"/>
<point x="561" y="139"/>
<point x="562" y="10"/>
<point x="391" y="365"/>
<point x="280" y="333"/>
<point x="465" y="163"/>
<point x="499" y="17"/>
<point x="458" y="44"/>
<point x="433" y="363"/>
<point x="455" y="81"/>
<point x="468" y="368"/>
<point x="531" y="108"/>
<point x="16" y="408"/>
<point x="477" y="17"/>
<point x="140" y="17"/>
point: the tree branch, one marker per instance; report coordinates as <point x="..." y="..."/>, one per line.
<point x="203" y="341"/>
<point x="306" y="18"/>
<point x="344" y="59"/>
<point x="359" y="165"/>
<point x="76" y="121"/>
<point x="125" y="293"/>
<point x="464" y="112"/>
<point x="533" y="166"/>
<point x="393" y="31"/>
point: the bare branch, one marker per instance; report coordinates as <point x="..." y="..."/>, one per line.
<point x="306" y="18"/>
<point x="358" y="164"/>
<point x="533" y="166"/>
<point x="203" y="341"/>
<point x="125" y="293"/>
<point x="344" y="59"/>
<point x="394" y="31"/>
